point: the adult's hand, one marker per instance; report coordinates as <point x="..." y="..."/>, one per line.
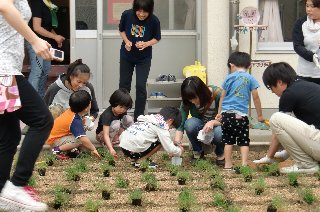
<point x="128" y="46"/>
<point x="95" y="153"/>
<point x="41" y="48"/>
<point x="59" y="39"/>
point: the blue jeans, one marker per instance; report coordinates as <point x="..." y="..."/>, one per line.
<point x="39" y="70"/>
<point x="193" y="126"/>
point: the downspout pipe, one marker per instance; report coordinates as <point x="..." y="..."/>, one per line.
<point x="233" y="20"/>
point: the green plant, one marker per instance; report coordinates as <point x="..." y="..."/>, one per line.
<point x="41" y="168"/>
<point x="72" y="173"/>
<point x="106" y="168"/>
<point x="173" y="169"/>
<point x="61" y="196"/>
<point x="49" y="158"/>
<point x="105" y="190"/>
<point x="144" y="165"/>
<point x="92" y="205"/>
<point x="135" y="194"/>
<point x="273" y="170"/>
<point x="293" y="179"/>
<point x="182" y="177"/>
<point x="233" y="209"/>
<point x="151" y="181"/>
<point x="259" y="186"/>
<point x="276" y="203"/>
<point x="186" y="199"/>
<point x="212" y="173"/>
<point x="121" y="182"/>
<point x="220" y="200"/>
<point x="203" y="165"/>
<point x="217" y="182"/>
<point x="81" y="164"/>
<point x="165" y="156"/>
<point x="32" y="181"/>
<point x="109" y="158"/>
<point x="60" y="188"/>
<point x="308" y="196"/>
<point x="246" y="172"/>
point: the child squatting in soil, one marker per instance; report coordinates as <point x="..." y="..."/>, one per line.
<point x="114" y="120"/>
<point x="68" y="130"/>
<point x="233" y="106"/>
<point x="151" y="132"/>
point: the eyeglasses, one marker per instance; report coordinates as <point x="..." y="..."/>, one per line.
<point x="268" y="87"/>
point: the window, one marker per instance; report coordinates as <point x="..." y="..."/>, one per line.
<point x="173" y="14"/>
<point x="280" y="16"/>
<point x="86" y="14"/>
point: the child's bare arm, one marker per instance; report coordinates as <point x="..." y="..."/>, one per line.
<point x="218" y="116"/>
<point x="107" y="141"/>
<point x="87" y="144"/>
<point x="257" y="104"/>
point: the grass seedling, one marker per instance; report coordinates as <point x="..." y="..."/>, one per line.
<point x="72" y="173"/>
<point x="273" y="170"/>
<point x="81" y="165"/>
<point x="259" y="186"/>
<point x="106" y="168"/>
<point x="49" y="158"/>
<point x="165" y="156"/>
<point x="136" y="197"/>
<point x="217" y="182"/>
<point x="93" y="205"/>
<point x="41" y="168"/>
<point x="293" y="179"/>
<point x="173" y="169"/>
<point x="121" y="182"/>
<point x="276" y="203"/>
<point x="203" y="165"/>
<point x="308" y="196"/>
<point x="186" y="200"/>
<point x="32" y="181"/>
<point x="219" y="200"/>
<point x="182" y="177"/>
<point x="151" y="181"/>
<point x="233" y="209"/>
<point x="61" y="196"/>
<point x="144" y="165"/>
<point x="246" y="172"/>
<point x="105" y="190"/>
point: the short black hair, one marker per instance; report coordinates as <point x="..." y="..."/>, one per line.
<point x="145" y="5"/>
<point x="239" y="59"/>
<point x="79" y="100"/>
<point x="76" y="68"/>
<point x="171" y="113"/>
<point x="193" y="87"/>
<point x="278" y="71"/>
<point x="121" y="97"/>
<point x="316" y="3"/>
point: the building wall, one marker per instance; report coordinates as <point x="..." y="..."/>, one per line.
<point x="217" y="41"/>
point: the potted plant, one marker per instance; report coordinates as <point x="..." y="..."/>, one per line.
<point x="105" y="191"/>
<point x="121" y="182"/>
<point x="293" y="179"/>
<point x="61" y="197"/>
<point x="246" y="172"/>
<point x="81" y="164"/>
<point x="136" y="197"/>
<point x="273" y="170"/>
<point x="106" y="168"/>
<point x="259" y="186"/>
<point x="42" y="168"/>
<point x="49" y="158"/>
<point x="182" y="177"/>
<point x="173" y="169"/>
<point x="72" y="173"/>
<point x="236" y="169"/>
<point x="308" y="196"/>
<point x="165" y="156"/>
<point x="203" y="165"/>
<point x="93" y="205"/>
<point x="219" y="200"/>
<point x="186" y="200"/>
<point x="151" y="181"/>
<point x="144" y="165"/>
<point x="275" y="204"/>
<point x="110" y="159"/>
<point x="217" y="182"/>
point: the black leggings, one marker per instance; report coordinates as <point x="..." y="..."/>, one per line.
<point x="35" y="114"/>
<point x="142" y="73"/>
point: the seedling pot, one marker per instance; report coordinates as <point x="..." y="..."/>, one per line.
<point x="136" y="202"/>
<point x="271" y="209"/>
<point x="106" y="173"/>
<point x="258" y="191"/>
<point x="184" y="210"/>
<point x="150" y="188"/>
<point x="42" y="171"/>
<point x="248" y="178"/>
<point x="112" y="163"/>
<point x="49" y="162"/>
<point x="105" y="195"/>
<point x="57" y="205"/>
<point x="181" y="181"/>
<point x="76" y="178"/>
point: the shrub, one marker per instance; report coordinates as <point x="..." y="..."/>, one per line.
<point x="293" y="179"/>
<point x="92" y="205"/>
<point x="259" y="186"/>
<point x="186" y="199"/>
<point x="308" y="196"/>
<point x="121" y="182"/>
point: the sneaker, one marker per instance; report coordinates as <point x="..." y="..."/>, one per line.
<point x="172" y="78"/>
<point x="162" y="78"/>
<point x="161" y="95"/>
<point x="281" y="156"/>
<point x="59" y="154"/>
<point x="21" y="198"/>
<point x="296" y="169"/>
<point x="74" y="153"/>
<point x="152" y="165"/>
<point x="264" y="160"/>
<point x="153" y="95"/>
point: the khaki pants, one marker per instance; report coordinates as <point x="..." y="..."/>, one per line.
<point x="302" y="141"/>
<point x="66" y="140"/>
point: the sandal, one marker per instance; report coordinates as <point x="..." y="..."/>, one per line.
<point x="228" y="169"/>
<point x="220" y="162"/>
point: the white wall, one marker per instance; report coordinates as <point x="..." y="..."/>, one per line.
<point x="217" y="39"/>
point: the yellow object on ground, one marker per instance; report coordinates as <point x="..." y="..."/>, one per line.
<point x="196" y="70"/>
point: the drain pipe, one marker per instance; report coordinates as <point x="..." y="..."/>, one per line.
<point x="233" y="20"/>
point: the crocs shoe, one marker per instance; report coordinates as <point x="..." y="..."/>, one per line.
<point x="162" y="78"/>
<point x="171" y="78"/>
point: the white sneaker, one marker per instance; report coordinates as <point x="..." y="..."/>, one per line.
<point x="294" y="168"/>
<point x="23" y="198"/>
<point x="281" y="156"/>
<point x="264" y="160"/>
